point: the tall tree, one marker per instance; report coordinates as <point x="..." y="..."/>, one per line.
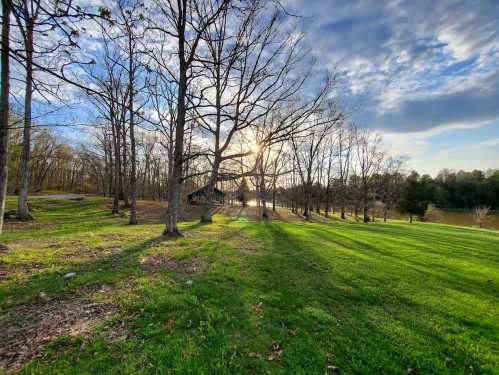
<point x="369" y="157"/>
<point x="26" y="13"/>
<point x="185" y="21"/>
<point x="306" y="148"/>
<point x="413" y="196"/>
<point x="251" y="67"/>
<point x="4" y="106"/>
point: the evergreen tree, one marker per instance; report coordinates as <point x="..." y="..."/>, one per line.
<point x="414" y="196"/>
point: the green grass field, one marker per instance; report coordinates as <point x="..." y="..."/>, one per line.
<point x="246" y="297"/>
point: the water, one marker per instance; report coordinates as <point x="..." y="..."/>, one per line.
<point x="454" y="218"/>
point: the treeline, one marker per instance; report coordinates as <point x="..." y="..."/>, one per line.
<point x="87" y="167"/>
<point x="339" y="182"/>
<point x="464" y="190"/>
<point x="55" y="165"/>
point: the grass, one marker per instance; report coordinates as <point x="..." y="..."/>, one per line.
<point x="248" y="297"/>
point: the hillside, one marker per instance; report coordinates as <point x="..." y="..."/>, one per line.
<point x="82" y="292"/>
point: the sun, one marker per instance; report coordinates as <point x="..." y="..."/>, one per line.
<point x="255" y="148"/>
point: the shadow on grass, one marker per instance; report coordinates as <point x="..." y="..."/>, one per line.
<point x="441" y="269"/>
<point x="289" y="293"/>
<point x="104" y="270"/>
<point x="362" y="343"/>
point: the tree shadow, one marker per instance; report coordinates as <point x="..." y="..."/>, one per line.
<point x="354" y="301"/>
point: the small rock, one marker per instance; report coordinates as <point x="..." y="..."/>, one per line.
<point x="43" y="296"/>
<point x="189" y="282"/>
<point x="69" y="275"/>
<point x="334" y="369"/>
<point x="410" y="371"/>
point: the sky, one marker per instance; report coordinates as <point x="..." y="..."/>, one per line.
<point x="424" y="73"/>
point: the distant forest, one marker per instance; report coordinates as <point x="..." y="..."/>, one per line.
<point x="463" y="190"/>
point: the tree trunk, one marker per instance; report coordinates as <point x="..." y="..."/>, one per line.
<point x="328" y="193"/>
<point x="207" y="216"/>
<point x="118" y="188"/>
<point x="365" y="203"/>
<point x="366" y="213"/>
<point x="273" y="194"/>
<point x="124" y="170"/>
<point x="171" y="229"/>
<point x="263" y="198"/>
<point x="133" y="175"/>
<point x="410" y="218"/>
<point x="22" y="201"/>
<point x="4" y="108"/>
<point x="265" y="212"/>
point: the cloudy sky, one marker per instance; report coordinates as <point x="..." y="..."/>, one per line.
<point x="424" y="73"/>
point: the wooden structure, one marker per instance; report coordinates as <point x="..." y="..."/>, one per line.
<point x="200" y="196"/>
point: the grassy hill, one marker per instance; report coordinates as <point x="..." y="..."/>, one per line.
<point x="82" y="292"/>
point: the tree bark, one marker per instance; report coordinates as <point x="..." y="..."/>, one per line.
<point x="175" y="180"/>
<point x="22" y="201"/>
<point x="118" y="187"/>
<point x="342" y="208"/>
<point x="207" y="216"/>
<point x="133" y="173"/>
<point x="124" y="170"/>
<point x="365" y="202"/>
<point x="274" y="194"/>
<point x="4" y="107"/>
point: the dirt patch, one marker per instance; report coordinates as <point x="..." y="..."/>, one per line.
<point x="3" y="248"/>
<point x="150" y="212"/>
<point x="247" y="247"/>
<point x="23" y="269"/>
<point x="255" y="213"/>
<point x="6" y="270"/>
<point x="159" y="261"/>
<point x="13" y="225"/>
<point x="112" y="236"/>
<point x="241" y="240"/>
<point x="25" y="329"/>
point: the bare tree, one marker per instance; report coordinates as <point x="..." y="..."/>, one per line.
<point x="306" y="149"/>
<point x="186" y="22"/>
<point x="480" y="215"/>
<point x="130" y="18"/>
<point x="4" y="106"/>
<point x="390" y="183"/>
<point x="345" y="144"/>
<point x="250" y="69"/>
<point x="110" y="97"/>
<point x="369" y="157"/>
<point x="26" y="13"/>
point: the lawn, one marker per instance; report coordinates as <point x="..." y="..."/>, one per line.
<point x="246" y="297"/>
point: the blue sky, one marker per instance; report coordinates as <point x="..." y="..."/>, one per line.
<point x="424" y="73"/>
